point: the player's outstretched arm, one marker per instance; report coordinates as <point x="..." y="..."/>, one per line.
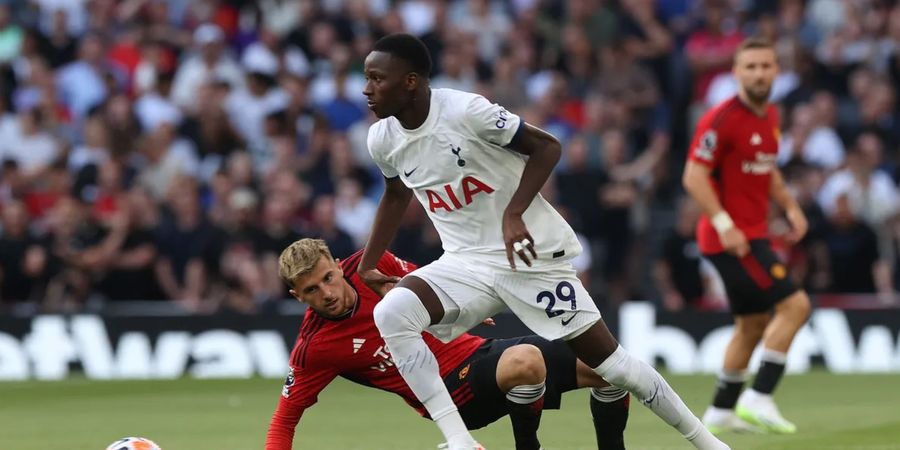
<point x="301" y="390"/>
<point x="282" y="426"/>
<point x="543" y="151"/>
<point x="696" y="181"/>
<point x="387" y="219"/>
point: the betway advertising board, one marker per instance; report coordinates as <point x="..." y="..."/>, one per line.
<point x="100" y="347"/>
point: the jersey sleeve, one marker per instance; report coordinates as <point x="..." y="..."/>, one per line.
<point x="301" y="390"/>
<point x="707" y="145"/>
<point x="391" y="265"/>
<point x="375" y="141"/>
<point x="491" y="122"/>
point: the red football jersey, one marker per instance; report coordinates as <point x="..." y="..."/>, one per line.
<point x="352" y="348"/>
<point x="740" y="148"/>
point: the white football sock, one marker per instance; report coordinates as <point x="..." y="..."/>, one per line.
<point x="635" y="376"/>
<point x="401" y="318"/>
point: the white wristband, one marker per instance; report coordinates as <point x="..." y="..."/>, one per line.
<point x="722" y="222"/>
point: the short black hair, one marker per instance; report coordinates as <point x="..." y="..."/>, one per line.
<point x="408" y="48"/>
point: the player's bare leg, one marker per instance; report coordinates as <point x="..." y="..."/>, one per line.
<point x="609" y="408"/>
<point x="401" y="317"/>
<point x="790" y="315"/>
<point x="756" y="405"/>
<point x="521" y="374"/>
<point x="748" y="332"/>
<point x="599" y="349"/>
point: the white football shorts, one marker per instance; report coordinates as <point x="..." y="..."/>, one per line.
<point x="547" y="297"/>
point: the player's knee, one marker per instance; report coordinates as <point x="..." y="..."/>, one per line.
<point x="400" y="312"/>
<point x="750" y="328"/>
<point x="750" y="333"/>
<point x="619" y="369"/>
<point x="524" y="364"/>
<point x="381" y="315"/>
<point x="798" y="306"/>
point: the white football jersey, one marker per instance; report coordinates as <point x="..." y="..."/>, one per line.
<point x="458" y="168"/>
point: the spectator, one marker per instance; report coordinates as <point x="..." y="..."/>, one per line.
<point x="853" y="263"/>
<point x="710" y="49"/>
<point x="679" y="270"/>
<point x="325" y="227"/>
<point x="106" y="189"/>
<point x="578" y="184"/>
<point x="279" y="231"/>
<point x="155" y="107"/>
<point x="95" y="149"/>
<point x="122" y="126"/>
<point x="647" y="39"/>
<point x="153" y="60"/>
<point x="354" y="213"/>
<point x="11" y="36"/>
<point x="189" y="247"/>
<point x="633" y="87"/>
<point x="58" y="43"/>
<point x="130" y="270"/>
<point x="871" y="193"/>
<point x="210" y="64"/>
<point x="242" y="253"/>
<point x="484" y="19"/>
<point x="28" y="143"/>
<point x="72" y="13"/>
<point x="338" y="91"/>
<point x="455" y="73"/>
<point x="209" y="128"/>
<point x="12" y="184"/>
<point x="248" y="106"/>
<point x="80" y="83"/>
<point x="811" y="141"/>
<point x="78" y="249"/>
<point x="23" y="258"/>
<point x="166" y="155"/>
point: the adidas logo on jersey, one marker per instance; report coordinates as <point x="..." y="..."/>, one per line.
<point x="357" y="344"/>
<point x="756" y="139"/>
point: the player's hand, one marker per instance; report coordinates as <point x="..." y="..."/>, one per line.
<point x="734" y="242"/>
<point x="517" y="239"/>
<point x="378" y="282"/>
<point x="799" y="226"/>
<point x="489" y="322"/>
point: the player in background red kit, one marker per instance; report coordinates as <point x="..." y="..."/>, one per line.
<point x="731" y="173"/>
<point x="338" y="337"/>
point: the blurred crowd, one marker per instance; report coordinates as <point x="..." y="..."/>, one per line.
<point x="169" y="149"/>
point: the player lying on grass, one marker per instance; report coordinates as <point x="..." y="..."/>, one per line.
<point x="488" y="378"/>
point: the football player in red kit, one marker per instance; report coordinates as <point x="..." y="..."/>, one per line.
<point x="487" y="378"/>
<point x="731" y="173"/>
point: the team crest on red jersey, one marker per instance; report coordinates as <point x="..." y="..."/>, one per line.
<point x="288" y="382"/>
<point x="778" y="271"/>
<point x="464" y="371"/>
<point x="707" y="146"/>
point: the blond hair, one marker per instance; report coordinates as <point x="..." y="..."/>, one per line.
<point x="300" y="257"/>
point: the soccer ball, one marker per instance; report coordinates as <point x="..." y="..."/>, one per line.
<point x="133" y="443"/>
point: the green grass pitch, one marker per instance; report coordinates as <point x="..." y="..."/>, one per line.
<point x="858" y="412"/>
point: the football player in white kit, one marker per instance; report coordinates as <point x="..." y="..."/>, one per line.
<point x="477" y="168"/>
